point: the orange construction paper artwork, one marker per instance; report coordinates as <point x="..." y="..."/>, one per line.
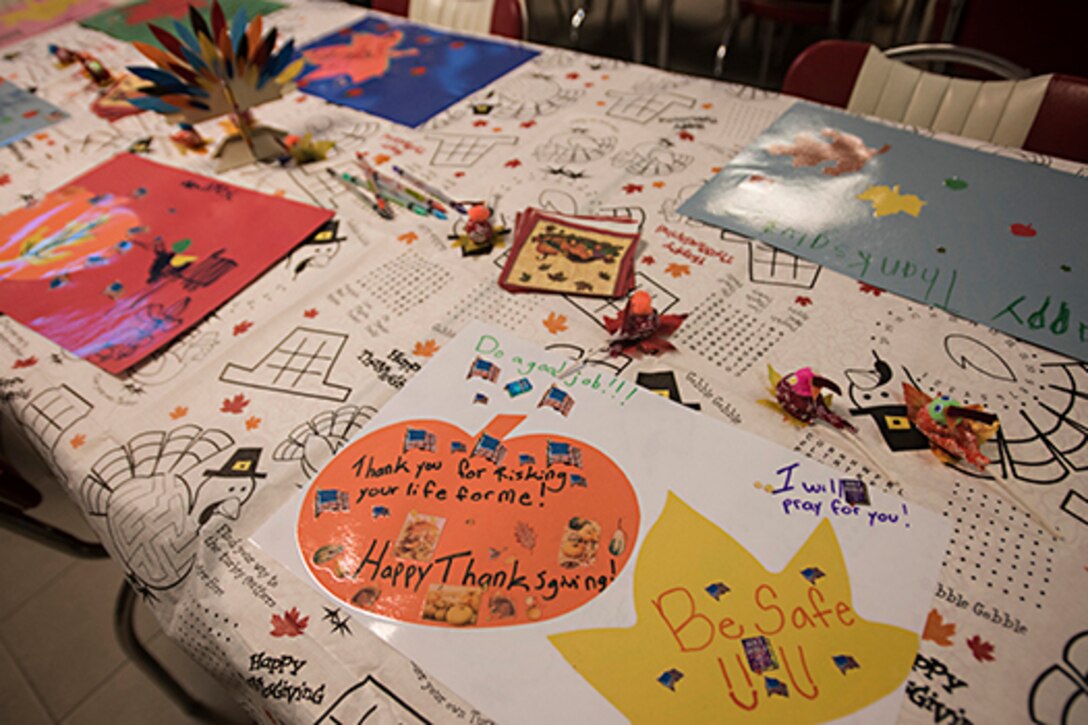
<point x="424" y="522"/>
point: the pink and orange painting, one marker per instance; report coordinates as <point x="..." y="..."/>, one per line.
<point x="401" y="71"/>
<point x="120" y="261"/>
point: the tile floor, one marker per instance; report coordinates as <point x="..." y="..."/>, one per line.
<point x="59" y="658"/>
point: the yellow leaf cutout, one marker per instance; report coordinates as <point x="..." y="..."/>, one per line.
<point x="684" y="661"/>
<point x="888" y="201"/>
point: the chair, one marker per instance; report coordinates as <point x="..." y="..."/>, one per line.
<point x="834" y="15"/>
<point x="1045" y="114"/>
<point x="578" y="12"/>
<point x="507" y="18"/>
<point x="17" y="495"/>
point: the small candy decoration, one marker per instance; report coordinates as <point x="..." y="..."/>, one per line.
<point x="955" y="431"/>
<point x="639" y="329"/>
<point x="798" y="395"/>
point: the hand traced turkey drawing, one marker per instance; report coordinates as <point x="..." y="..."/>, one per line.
<point x="313" y="442"/>
<point x="152" y="497"/>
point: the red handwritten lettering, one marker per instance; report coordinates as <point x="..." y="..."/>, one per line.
<point x="692" y="617"/>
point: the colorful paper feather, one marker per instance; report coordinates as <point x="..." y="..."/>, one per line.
<point x="211" y="68"/>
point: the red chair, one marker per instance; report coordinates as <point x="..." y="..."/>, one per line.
<point x="507" y="18"/>
<point x="1046" y="114"/>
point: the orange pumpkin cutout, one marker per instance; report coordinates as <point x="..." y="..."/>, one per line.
<point x="423" y="522"/>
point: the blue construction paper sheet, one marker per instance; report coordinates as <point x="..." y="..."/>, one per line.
<point x="992" y="239"/>
<point x="403" y="72"/>
<point x="22" y="113"/>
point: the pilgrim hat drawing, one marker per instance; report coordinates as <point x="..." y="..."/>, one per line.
<point x="242" y="464"/>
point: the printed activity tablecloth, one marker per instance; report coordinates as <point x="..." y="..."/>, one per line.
<point x="229" y="422"/>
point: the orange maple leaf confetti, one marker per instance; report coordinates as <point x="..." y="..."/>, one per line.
<point x="555" y="323"/>
<point x="242" y="327"/>
<point x="79" y="439"/>
<point x="425" y="348"/>
<point x="937" y="631"/>
<point x="678" y="270"/>
<point x="234" y="405"/>
<point x="179" y="412"/>
<point x="310" y="313"/>
<point x="253" y="422"/>
<point x="381" y="159"/>
<point x="408" y="237"/>
<point x="658" y="185"/>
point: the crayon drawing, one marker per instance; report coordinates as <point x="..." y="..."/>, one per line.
<point x="22" y="20"/>
<point x="125" y="258"/>
<point x="130" y="22"/>
<point x="404" y="72"/>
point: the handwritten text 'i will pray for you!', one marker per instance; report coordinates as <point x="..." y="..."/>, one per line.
<point x="804" y="497"/>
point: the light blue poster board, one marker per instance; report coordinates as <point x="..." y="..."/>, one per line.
<point x="22" y="113"/>
<point x="992" y="239"/>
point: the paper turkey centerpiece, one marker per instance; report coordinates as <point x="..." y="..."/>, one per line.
<point x="211" y="70"/>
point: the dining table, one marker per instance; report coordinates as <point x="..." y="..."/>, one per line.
<point x="288" y="371"/>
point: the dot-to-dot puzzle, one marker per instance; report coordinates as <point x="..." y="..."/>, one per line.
<point x="727" y="335"/>
<point x="996" y="547"/>
<point x="845" y="461"/>
<point x="401" y="284"/>
<point x="206" y="634"/>
<point x="491" y="303"/>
